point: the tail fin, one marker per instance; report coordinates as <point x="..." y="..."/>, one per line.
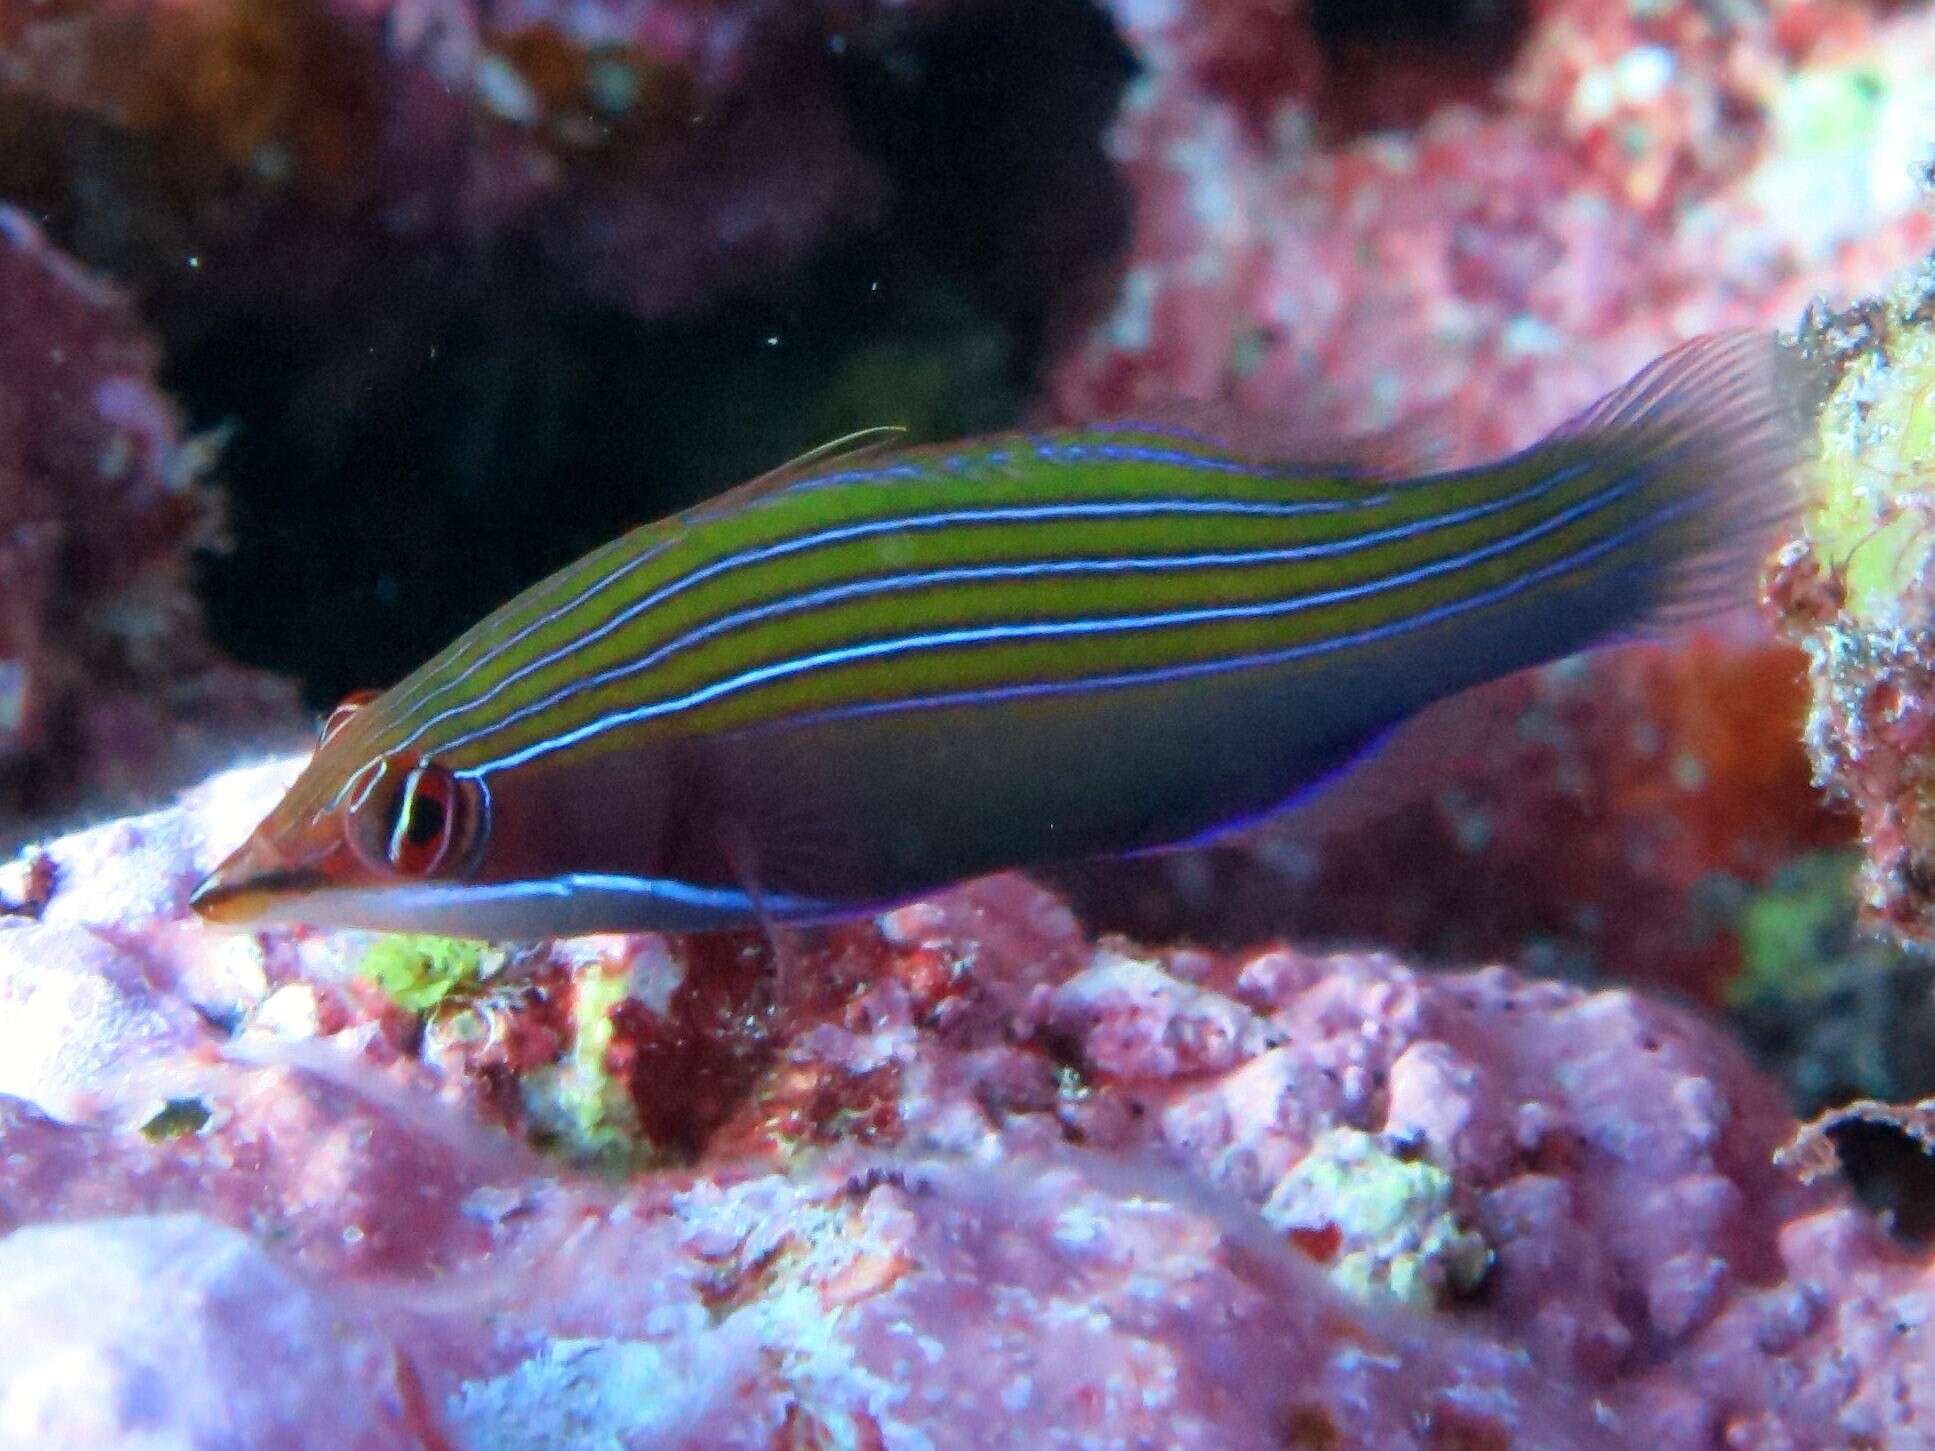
<point x="1716" y="429"/>
<point x="1678" y="485"/>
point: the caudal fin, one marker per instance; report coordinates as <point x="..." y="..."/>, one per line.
<point x="1716" y="432"/>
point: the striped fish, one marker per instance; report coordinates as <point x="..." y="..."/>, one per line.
<point x="867" y="676"/>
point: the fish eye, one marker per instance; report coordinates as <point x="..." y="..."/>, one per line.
<point x="339" y="717"/>
<point x="416" y="819"/>
<point x="434" y="819"/>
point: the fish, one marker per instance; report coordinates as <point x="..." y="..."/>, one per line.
<point x="885" y="669"/>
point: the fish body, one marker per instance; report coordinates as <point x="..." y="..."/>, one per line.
<point x="863" y="678"/>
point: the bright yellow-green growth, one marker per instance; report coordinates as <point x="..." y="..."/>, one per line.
<point x="1858" y="593"/>
<point x="420" y="973"/>
<point x="577" y="1103"/>
<point x="1877" y="455"/>
<point x="1397" y="1238"/>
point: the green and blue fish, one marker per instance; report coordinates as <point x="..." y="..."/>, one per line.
<point x="865" y="677"/>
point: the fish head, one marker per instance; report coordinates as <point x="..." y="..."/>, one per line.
<point x="360" y="836"/>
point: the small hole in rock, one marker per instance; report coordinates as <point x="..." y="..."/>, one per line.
<point x="1893" y="1174"/>
<point x="1391" y="63"/>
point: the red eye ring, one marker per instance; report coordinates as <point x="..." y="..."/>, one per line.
<point x="432" y="818"/>
<point x="411" y="818"/>
<point x="339" y="717"/>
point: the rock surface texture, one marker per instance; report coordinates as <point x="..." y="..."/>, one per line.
<point x="971" y="1175"/>
<point x="107" y="679"/>
<point x="978" y="1181"/>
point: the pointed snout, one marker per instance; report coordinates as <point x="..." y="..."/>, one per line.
<point x="246" y="886"/>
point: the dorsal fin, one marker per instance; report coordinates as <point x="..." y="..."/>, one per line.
<point x="857" y="444"/>
<point x="1264" y="440"/>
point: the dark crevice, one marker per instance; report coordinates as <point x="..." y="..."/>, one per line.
<point x="1893" y="1174"/>
<point x="404" y="472"/>
<point x="1388" y="64"/>
<point x="1343" y="24"/>
<point x="992" y="127"/>
<point x="420" y="425"/>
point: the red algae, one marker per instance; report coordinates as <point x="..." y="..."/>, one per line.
<point x="1661" y="771"/>
<point x="968" y="1174"/>
<point x="689" y="1067"/>
<point x="107" y="683"/>
<point x="1628" y="175"/>
<point x="973" y="1178"/>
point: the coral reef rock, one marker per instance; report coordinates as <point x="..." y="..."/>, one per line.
<point x="966" y="1177"/>
<point x="476" y="286"/>
<point x="1854" y="591"/>
<point x="1472" y="267"/>
<point x="1341" y="232"/>
<point x="105" y="676"/>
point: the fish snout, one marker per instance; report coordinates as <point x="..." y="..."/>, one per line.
<point x="249" y="882"/>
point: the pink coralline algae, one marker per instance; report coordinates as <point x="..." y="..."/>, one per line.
<point x="1629" y="175"/>
<point x="972" y="1180"/>
<point x="104" y="672"/>
<point x="106" y="1314"/>
<point x="1340" y="239"/>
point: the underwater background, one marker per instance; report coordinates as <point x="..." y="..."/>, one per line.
<point x="1462" y="1110"/>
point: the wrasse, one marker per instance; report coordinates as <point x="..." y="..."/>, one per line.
<point x="865" y="677"/>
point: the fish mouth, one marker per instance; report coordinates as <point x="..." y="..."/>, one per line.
<point x="247" y="886"/>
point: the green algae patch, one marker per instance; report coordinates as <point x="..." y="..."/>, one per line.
<point x="1836" y="1011"/>
<point x="1846" y="152"/>
<point x="420" y="972"/>
<point x="1877" y="458"/>
<point x="578" y="1106"/>
<point x="178" y="1118"/>
<point x="1795" y="933"/>
<point x="1379" y="1223"/>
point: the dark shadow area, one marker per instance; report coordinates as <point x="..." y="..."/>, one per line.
<point x="394" y="475"/>
<point x="1893" y="1174"/>
<point x="424" y="419"/>
<point x="1389" y="63"/>
<point x="991" y="126"/>
<point x="1342" y="24"/>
